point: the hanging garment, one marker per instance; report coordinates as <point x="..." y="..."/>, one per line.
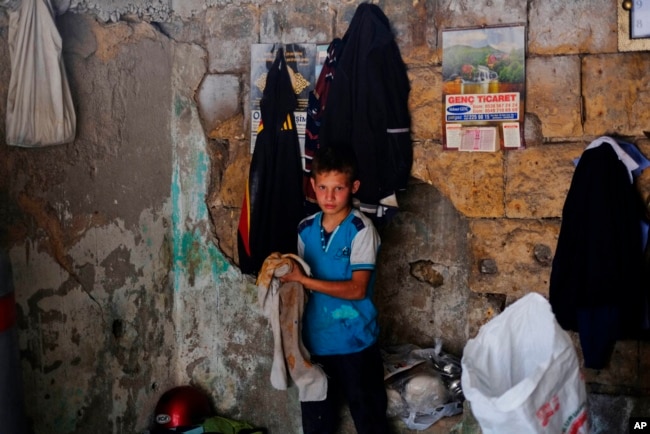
<point x="367" y="108"/>
<point x="283" y="304"/>
<point x="315" y="109"/>
<point x="39" y="104"/>
<point x="596" y="282"/>
<point x="273" y="201"/>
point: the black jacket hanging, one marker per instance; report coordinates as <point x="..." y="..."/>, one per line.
<point x="596" y="283"/>
<point x="367" y="107"/>
<point x="273" y="204"/>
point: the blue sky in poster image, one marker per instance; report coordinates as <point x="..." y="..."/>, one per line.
<point x="502" y="38"/>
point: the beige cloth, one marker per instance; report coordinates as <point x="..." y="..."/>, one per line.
<point x="283" y="304"/>
<point x="40" y="111"/>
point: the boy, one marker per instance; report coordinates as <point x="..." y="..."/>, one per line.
<point x="340" y="328"/>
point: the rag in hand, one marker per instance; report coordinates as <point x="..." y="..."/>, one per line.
<point x="283" y="304"/>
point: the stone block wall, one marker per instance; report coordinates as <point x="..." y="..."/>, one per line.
<point x="124" y="242"/>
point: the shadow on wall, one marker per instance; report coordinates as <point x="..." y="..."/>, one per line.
<point x="422" y="292"/>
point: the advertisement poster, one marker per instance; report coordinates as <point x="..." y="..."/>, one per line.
<point x="301" y="60"/>
<point x="483" y="71"/>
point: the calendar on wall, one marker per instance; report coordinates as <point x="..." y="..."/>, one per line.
<point x="484" y="82"/>
<point x="634" y="25"/>
<point x="640" y="19"/>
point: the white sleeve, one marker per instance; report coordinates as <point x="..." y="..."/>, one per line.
<point x="301" y="247"/>
<point x="364" y="249"/>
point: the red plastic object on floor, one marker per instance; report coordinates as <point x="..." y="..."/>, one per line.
<point x="182" y="406"/>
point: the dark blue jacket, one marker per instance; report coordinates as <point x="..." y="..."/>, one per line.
<point x="596" y="283"/>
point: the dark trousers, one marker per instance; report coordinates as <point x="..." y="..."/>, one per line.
<point x="359" y="379"/>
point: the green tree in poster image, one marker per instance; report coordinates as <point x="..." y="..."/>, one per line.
<point x="461" y="61"/>
<point x="511" y="68"/>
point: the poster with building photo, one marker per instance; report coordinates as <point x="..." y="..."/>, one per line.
<point x="301" y="60"/>
<point x="484" y="88"/>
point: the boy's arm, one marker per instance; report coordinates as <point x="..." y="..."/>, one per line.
<point x="353" y="289"/>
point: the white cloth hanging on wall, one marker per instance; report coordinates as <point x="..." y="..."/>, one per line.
<point x="40" y="111"/>
<point x="9" y="4"/>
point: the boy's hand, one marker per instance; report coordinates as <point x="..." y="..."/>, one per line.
<point x="295" y="275"/>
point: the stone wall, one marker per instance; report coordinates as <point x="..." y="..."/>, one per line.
<point x="123" y="243"/>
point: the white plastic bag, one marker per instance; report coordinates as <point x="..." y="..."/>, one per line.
<point x="521" y="373"/>
<point x="39" y="104"/>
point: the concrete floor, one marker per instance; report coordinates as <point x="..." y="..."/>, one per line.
<point x="608" y="414"/>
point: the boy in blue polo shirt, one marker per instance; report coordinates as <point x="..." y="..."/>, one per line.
<point x="340" y="328"/>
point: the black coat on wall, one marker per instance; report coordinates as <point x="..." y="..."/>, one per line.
<point x="596" y="284"/>
<point x="273" y="205"/>
<point x="367" y="106"/>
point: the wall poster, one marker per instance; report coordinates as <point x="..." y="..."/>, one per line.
<point x="301" y="60"/>
<point x="484" y="81"/>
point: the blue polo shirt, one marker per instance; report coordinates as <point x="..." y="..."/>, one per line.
<point x="332" y="325"/>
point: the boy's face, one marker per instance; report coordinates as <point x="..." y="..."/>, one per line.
<point x="334" y="191"/>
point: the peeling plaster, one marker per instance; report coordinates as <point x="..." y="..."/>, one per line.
<point x="67" y="345"/>
<point x="194" y="251"/>
<point x="202" y="275"/>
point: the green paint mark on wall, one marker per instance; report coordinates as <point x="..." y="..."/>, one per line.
<point x="201" y="181"/>
<point x="199" y="257"/>
<point x="179" y="106"/>
<point x="176" y="227"/>
<point x="194" y="255"/>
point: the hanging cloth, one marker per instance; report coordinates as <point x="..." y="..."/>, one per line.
<point x="315" y="109"/>
<point x="368" y="110"/>
<point x="273" y="201"/>
<point x="596" y="285"/>
<point x="39" y="104"/>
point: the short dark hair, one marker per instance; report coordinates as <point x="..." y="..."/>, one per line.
<point x="339" y="159"/>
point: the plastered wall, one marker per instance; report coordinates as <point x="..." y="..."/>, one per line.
<point x="123" y="242"/>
